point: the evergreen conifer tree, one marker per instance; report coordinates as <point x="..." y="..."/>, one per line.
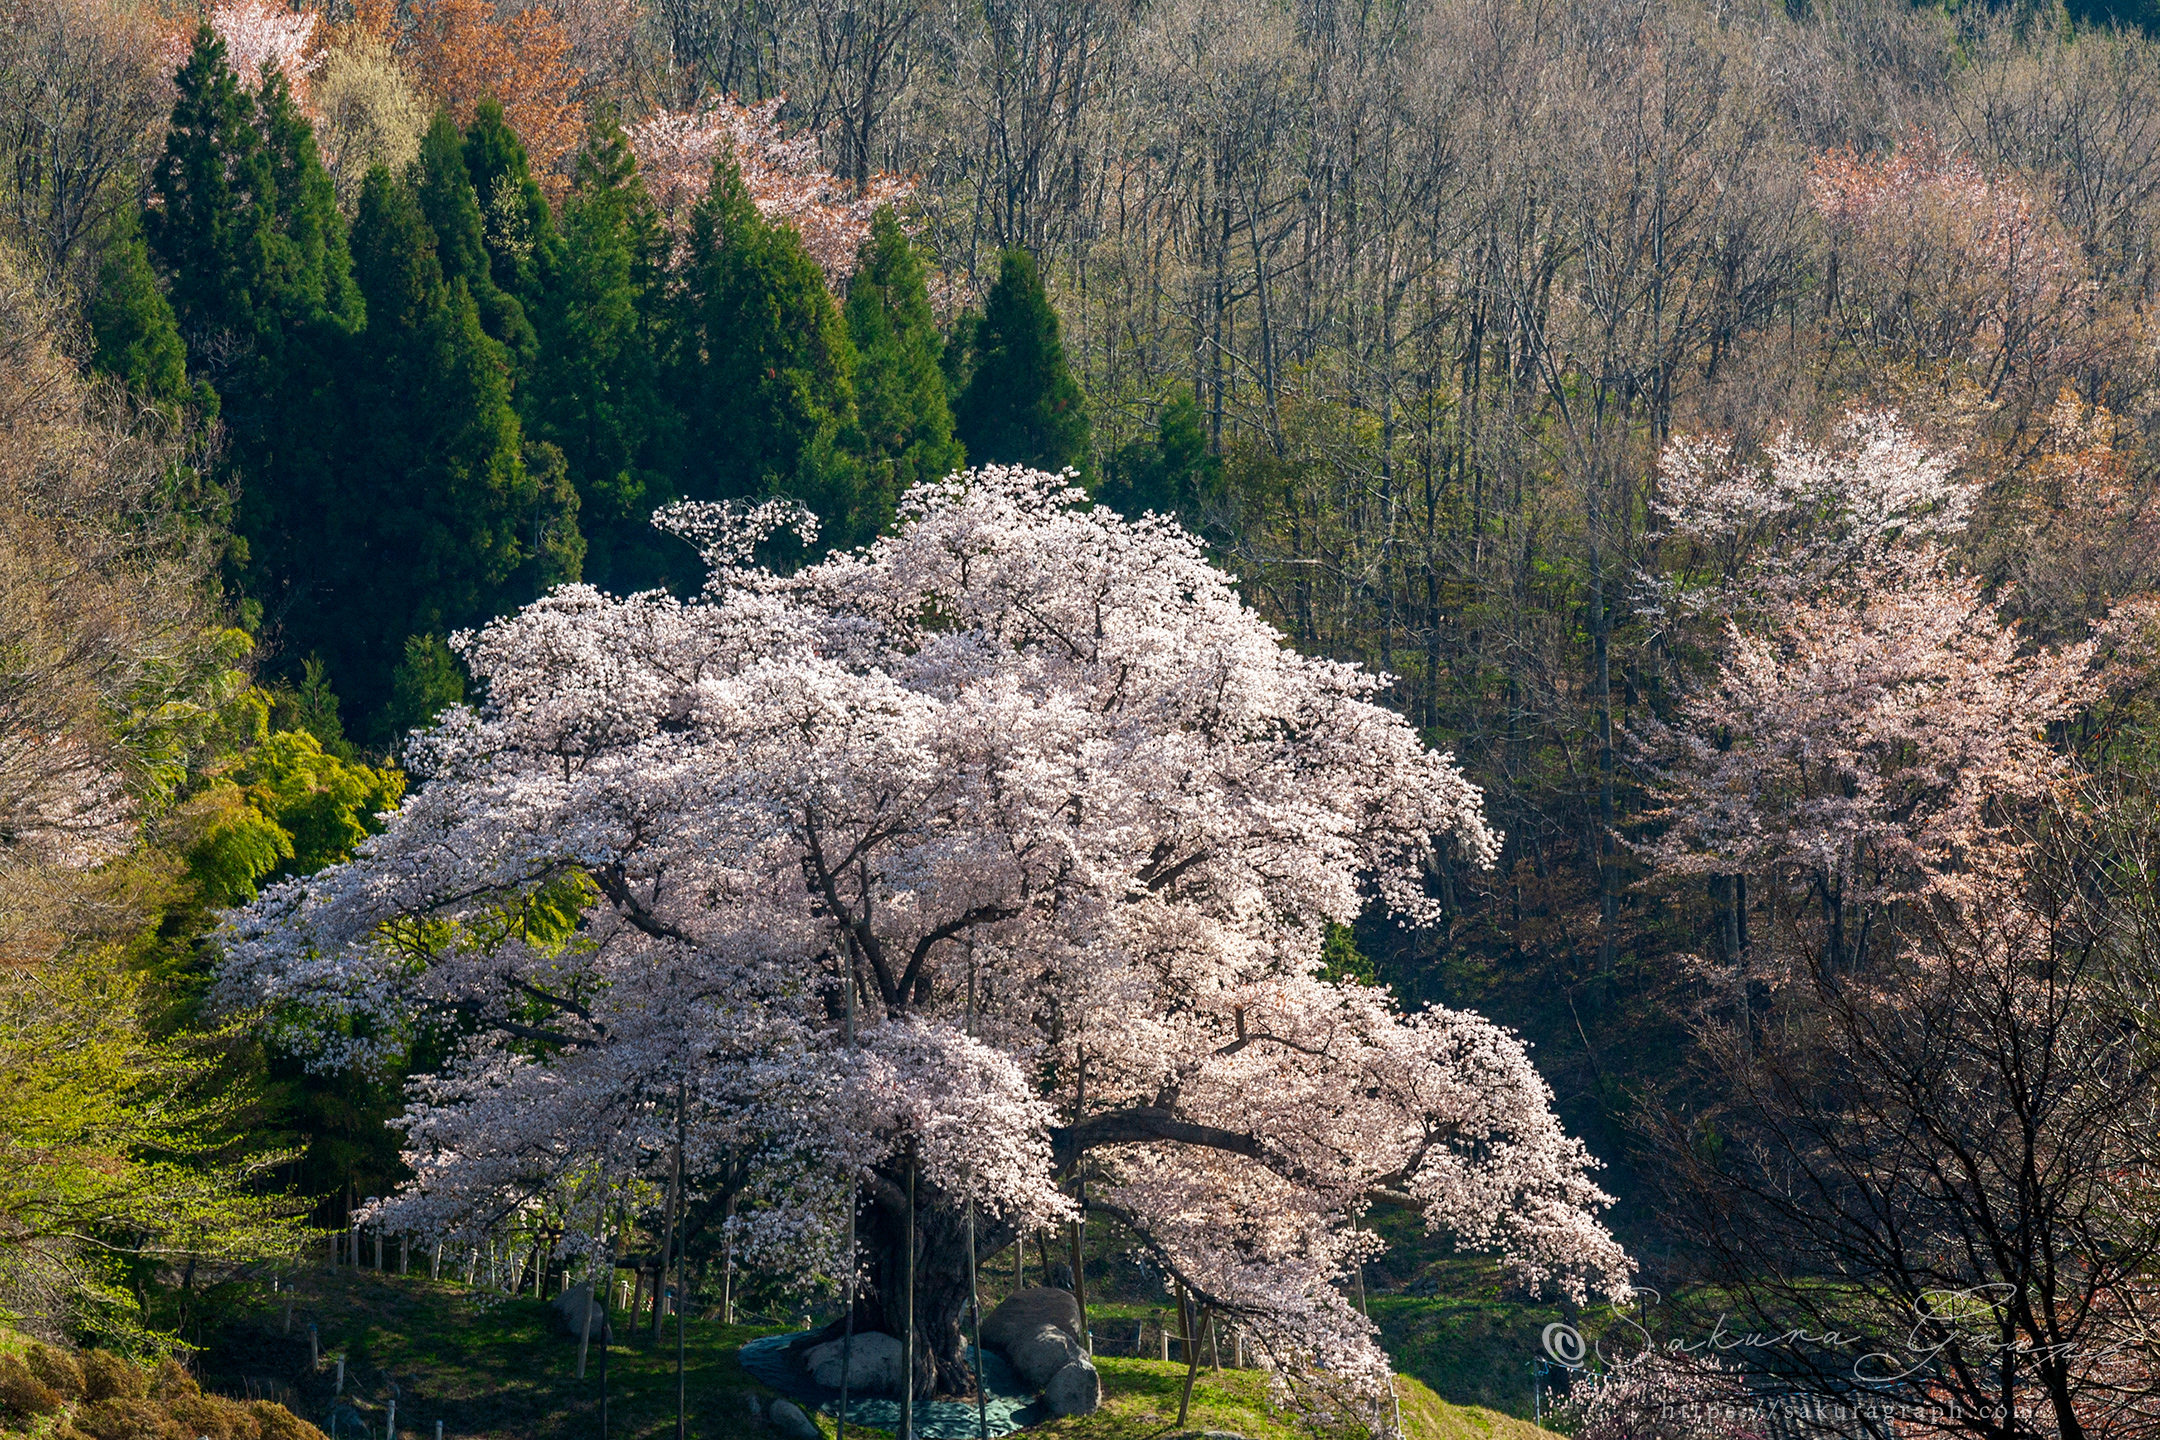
<point x="447" y="197"/>
<point x="1021" y="405"/>
<point x="133" y="335"/>
<point x="763" y="368"/>
<point x="900" y="402"/>
<point x="596" y="392"/>
<point x="1169" y="473"/>
<point x="515" y="218"/>
<point x="212" y="223"/>
<point x="427" y="682"/>
<point x="244" y="227"/>
<point x="443" y="523"/>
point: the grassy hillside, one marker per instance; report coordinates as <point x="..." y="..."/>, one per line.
<point x="496" y="1369"/>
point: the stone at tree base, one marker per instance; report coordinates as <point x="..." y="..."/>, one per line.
<point x="789" y="1420"/>
<point x="1039" y="1332"/>
<point x="1074" y="1390"/>
<point x="1038" y="1356"/>
<point x="1026" y="1312"/>
<point x="566" y="1306"/>
<point x="874" y="1367"/>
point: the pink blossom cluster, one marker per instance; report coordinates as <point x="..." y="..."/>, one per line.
<point x="677" y="149"/>
<point x="260" y="34"/>
<point x="1805" y="516"/>
<point x="1664" y="1395"/>
<point x="2006" y="283"/>
<point x="1067" y="821"/>
<point x="1873" y="733"/>
<point x="1882" y="743"/>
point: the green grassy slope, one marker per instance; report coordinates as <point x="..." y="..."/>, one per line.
<point x="495" y="1369"/>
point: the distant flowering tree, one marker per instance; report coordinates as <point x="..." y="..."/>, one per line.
<point x="1939" y="260"/>
<point x="1664" y="1395"/>
<point x="1805" y="518"/>
<point x="260" y="35"/>
<point x="1861" y="753"/>
<point x="998" y="854"/>
<point x="1872" y="733"/>
<point x="677" y="149"/>
<point x="467" y="51"/>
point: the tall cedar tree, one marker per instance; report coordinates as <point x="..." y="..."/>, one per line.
<point x="1168" y="474"/>
<point x="519" y="229"/>
<point x="244" y="225"/>
<point x="764" y="372"/>
<point x="1021" y="405"/>
<point x="448" y="199"/>
<point x="134" y="336"/>
<point x="900" y="400"/>
<point x="596" y="392"/>
<point x="444" y="522"/>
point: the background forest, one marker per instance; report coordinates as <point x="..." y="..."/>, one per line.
<point x="1645" y="386"/>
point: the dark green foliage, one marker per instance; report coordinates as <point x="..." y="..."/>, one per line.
<point x="519" y="229"/>
<point x="1168" y="474"/>
<point x="959" y="348"/>
<point x="596" y="391"/>
<point x="426" y="682"/>
<point x="210" y="225"/>
<point x="339" y="1121"/>
<point x="441" y="525"/>
<point x="900" y="404"/>
<point x="764" y="373"/>
<point x="314" y="262"/>
<point x="1340" y="958"/>
<point x="452" y="207"/>
<point x="312" y="707"/>
<point x="133" y="335"/>
<point x="1021" y="405"/>
<point x="245" y="231"/>
<point x="2130" y="14"/>
<point x="554" y="544"/>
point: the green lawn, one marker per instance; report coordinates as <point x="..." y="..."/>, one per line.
<point x="495" y="1369"/>
<point x="484" y="1366"/>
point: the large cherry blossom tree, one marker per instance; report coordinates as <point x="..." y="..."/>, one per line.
<point x="996" y="856"/>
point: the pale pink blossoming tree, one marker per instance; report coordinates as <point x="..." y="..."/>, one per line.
<point x="1872" y="734"/>
<point x="260" y="35"/>
<point x="1066" y="820"/>
<point x="677" y="149"/>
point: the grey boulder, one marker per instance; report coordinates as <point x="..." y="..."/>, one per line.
<point x="1074" y="1390"/>
<point x="1039" y="1332"/>
<point x="1028" y="1311"/>
<point x="567" y="1307"/>
<point x="1038" y="1356"/>
<point x="873" y="1366"/>
<point x="789" y="1420"/>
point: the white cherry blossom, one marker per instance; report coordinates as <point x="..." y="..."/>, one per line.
<point x="1066" y="816"/>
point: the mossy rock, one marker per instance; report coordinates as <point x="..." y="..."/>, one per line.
<point x="215" y="1416"/>
<point x="171" y="1380"/>
<point x="127" y="1417"/>
<point x="22" y="1395"/>
<point x="278" y="1423"/>
<point x="56" y="1368"/>
<point x="107" y="1376"/>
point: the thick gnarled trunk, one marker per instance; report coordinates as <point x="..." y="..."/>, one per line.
<point x="941" y="1280"/>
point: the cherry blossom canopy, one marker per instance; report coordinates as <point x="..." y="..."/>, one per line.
<point x="1069" y="819"/>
